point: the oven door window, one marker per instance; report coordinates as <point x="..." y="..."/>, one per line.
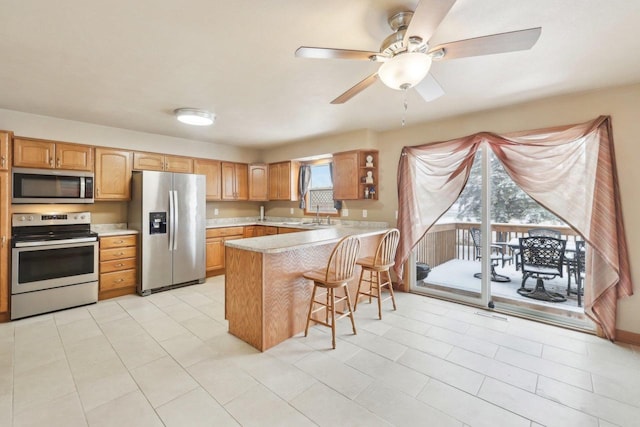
<point x="61" y="266"/>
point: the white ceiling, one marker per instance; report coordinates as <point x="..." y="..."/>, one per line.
<point x="129" y="64"/>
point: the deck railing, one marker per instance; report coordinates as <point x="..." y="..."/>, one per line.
<point x="444" y="242"/>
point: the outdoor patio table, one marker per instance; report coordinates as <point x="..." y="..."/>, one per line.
<point x="495" y="277"/>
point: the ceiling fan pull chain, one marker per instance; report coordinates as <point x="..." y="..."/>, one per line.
<point x="405" y="104"/>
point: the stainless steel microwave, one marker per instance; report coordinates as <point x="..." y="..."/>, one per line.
<point x="51" y="186"/>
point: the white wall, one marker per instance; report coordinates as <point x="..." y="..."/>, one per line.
<point x="34" y="126"/>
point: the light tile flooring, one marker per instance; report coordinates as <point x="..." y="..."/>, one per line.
<point x="167" y="360"/>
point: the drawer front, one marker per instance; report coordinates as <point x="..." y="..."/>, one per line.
<point x="117" y="265"/>
<point x="117" y="241"/>
<point x="117" y="279"/>
<point x="226" y="231"/>
<point x="117" y="253"/>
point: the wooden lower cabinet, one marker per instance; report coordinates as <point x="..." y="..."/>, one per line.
<point x="215" y="247"/>
<point x="118" y="266"/>
<point x="284" y="230"/>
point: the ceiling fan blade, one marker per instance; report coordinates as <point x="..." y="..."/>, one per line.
<point x="488" y="45"/>
<point x="329" y="53"/>
<point x="429" y="88"/>
<point x="359" y="87"/>
<point x="426" y="18"/>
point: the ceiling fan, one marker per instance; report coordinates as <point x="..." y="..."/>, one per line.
<point x="406" y="56"/>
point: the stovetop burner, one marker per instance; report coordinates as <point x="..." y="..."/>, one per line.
<point x="51" y="227"/>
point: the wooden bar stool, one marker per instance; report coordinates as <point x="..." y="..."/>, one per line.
<point x="337" y="274"/>
<point x="377" y="268"/>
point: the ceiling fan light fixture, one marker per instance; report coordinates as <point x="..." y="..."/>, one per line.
<point x="405" y="70"/>
<point x="194" y="116"/>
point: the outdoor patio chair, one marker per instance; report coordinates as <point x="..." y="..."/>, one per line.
<point x="542" y="258"/>
<point x="497" y="256"/>
<point x="538" y="232"/>
<point x="576" y="267"/>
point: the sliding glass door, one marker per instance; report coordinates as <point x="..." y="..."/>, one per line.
<point x="455" y="261"/>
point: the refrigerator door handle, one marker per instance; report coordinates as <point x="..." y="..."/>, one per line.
<point x="176" y="220"/>
<point x="172" y="232"/>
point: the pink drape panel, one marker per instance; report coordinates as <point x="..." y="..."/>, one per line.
<point x="570" y="170"/>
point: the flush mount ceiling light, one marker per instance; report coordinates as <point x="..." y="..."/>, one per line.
<point x="194" y="116"/>
<point x="405" y="70"/>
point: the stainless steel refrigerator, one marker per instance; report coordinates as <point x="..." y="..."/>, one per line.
<point x="169" y="211"/>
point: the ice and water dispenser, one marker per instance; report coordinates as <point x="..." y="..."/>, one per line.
<point x="157" y="223"/>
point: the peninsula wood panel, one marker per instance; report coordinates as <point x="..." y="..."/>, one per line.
<point x="243" y="304"/>
<point x="266" y="297"/>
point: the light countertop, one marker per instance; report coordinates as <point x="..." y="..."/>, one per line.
<point x="292" y="241"/>
<point x="105" y="230"/>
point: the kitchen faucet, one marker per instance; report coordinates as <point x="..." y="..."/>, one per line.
<point x="317" y="220"/>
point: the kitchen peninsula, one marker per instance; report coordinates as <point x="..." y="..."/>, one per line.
<point x="266" y="297"/>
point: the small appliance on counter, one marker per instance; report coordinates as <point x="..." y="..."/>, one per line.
<point x="169" y="211"/>
<point x="54" y="262"/>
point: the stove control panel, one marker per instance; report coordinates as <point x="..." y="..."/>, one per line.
<point x="35" y="219"/>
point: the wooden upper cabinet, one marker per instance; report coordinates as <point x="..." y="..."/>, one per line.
<point x="355" y="175"/>
<point x="161" y="162"/>
<point x="235" y="181"/>
<point x="113" y="174"/>
<point x="5" y="163"/>
<point x="211" y="169"/>
<point x="178" y="164"/>
<point x="74" y="157"/>
<point x="43" y="154"/>
<point x="283" y="180"/>
<point x="148" y="161"/>
<point x="258" y="182"/>
<point x="345" y="176"/>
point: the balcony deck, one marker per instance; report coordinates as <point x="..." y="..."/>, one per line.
<point x="448" y="250"/>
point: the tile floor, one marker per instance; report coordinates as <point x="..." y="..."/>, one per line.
<point x="167" y="360"/>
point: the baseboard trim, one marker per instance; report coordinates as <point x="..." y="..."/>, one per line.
<point x="627" y="337"/>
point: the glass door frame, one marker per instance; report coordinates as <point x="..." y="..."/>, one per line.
<point x="484" y="298"/>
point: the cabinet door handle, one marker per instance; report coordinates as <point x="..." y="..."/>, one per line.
<point x="120" y="241"/>
<point x="119" y="265"/>
<point x="51" y="162"/>
<point x="3" y="159"/>
<point x="4" y="239"/>
<point x="58" y="162"/>
<point x="97" y="191"/>
<point x="120" y="280"/>
<point x="120" y="253"/>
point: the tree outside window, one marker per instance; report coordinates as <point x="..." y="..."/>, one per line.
<point x="509" y="204"/>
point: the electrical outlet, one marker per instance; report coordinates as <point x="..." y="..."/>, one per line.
<point x="216" y="212"/>
<point x="345" y="212"/>
<point x="364" y="213"/>
<point x="291" y="211"/>
<point x="396" y="214"/>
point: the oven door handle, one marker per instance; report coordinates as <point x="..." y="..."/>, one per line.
<point x="53" y="242"/>
<point x="176" y="220"/>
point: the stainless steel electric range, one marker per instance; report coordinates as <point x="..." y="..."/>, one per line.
<point x="54" y="262"/>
